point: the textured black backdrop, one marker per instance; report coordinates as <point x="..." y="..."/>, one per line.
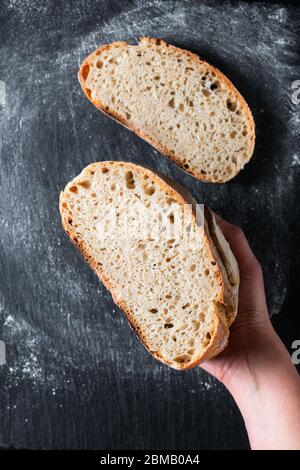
<point x="76" y="376"/>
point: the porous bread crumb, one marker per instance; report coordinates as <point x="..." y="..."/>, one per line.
<point x="165" y="277"/>
<point x="183" y="106"/>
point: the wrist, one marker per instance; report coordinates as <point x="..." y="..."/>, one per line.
<point x="266" y="387"/>
<point x="263" y="359"/>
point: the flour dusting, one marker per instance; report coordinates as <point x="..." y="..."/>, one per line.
<point x="21" y="334"/>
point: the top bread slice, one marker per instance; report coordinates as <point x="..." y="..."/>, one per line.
<point x="167" y="264"/>
<point x="179" y="103"/>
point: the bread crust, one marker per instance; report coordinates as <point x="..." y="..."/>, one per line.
<point x="226" y="301"/>
<point x="164" y="150"/>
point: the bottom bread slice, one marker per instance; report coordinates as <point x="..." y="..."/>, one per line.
<point x="162" y="256"/>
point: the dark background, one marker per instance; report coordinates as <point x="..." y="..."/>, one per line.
<point x="76" y="376"/>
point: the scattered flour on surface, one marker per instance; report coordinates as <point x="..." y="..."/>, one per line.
<point x="19" y="332"/>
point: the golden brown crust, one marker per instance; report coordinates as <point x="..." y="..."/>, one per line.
<point x="230" y="287"/>
<point x="164" y="150"/>
<point x="220" y="333"/>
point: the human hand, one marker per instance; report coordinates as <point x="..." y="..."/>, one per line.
<point x="252" y="330"/>
<point x="256" y="367"/>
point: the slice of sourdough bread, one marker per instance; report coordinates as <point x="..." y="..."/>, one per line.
<point x="183" y="106"/>
<point x="166" y="263"/>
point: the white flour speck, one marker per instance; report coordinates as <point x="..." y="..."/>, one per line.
<point x="280" y="14"/>
<point x="8" y="320"/>
<point x="295" y="160"/>
<point x="207" y="385"/>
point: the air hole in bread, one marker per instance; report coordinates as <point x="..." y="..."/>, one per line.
<point x="192" y="267"/>
<point x="183" y="358"/>
<point x="129" y="180"/>
<point x="64" y="205"/>
<point x="185" y="306"/>
<point x="245" y="131"/>
<point x="206" y="272"/>
<point x="231" y="105"/>
<point x="99" y="64"/>
<point x="149" y="190"/>
<point x="171" y="103"/>
<point x="104" y="170"/>
<point x="171" y="218"/>
<point x="214" y="86"/>
<point x="74" y="189"/>
<point x="181" y="107"/>
<point x="153" y="310"/>
<point x="205" y="92"/>
<point x="168" y="325"/>
<point x="233" y="134"/>
<point x="85" y="184"/>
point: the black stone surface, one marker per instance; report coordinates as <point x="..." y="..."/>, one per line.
<point x="76" y="376"/>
